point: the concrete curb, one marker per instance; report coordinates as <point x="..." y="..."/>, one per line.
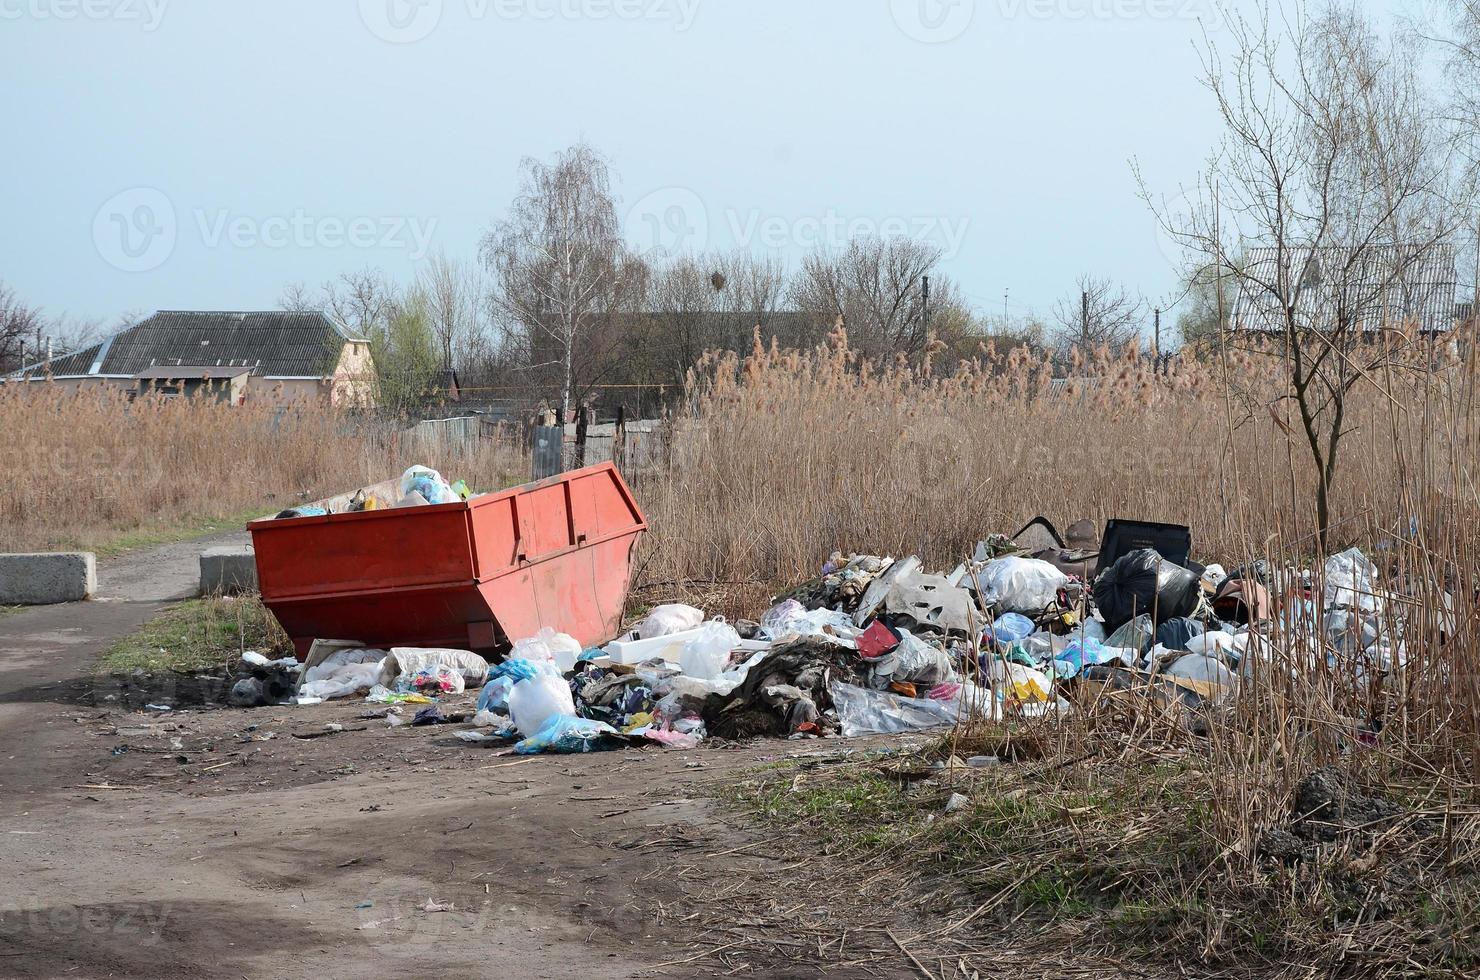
<point x="47" y="579"/>
<point x="228" y="571"/>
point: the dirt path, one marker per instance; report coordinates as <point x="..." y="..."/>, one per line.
<point x="255" y="844"/>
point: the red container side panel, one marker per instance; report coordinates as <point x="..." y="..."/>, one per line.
<point x="475" y="575"/>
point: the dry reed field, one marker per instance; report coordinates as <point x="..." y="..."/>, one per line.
<point x="1120" y="826"/>
<point x="88" y="469"/>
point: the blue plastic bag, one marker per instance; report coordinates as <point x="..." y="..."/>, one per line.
<point x="495" y="695"/>
<point x="1082" y="653"/>
<point x="569" y="735"/>
<point x="1012" y="627"/>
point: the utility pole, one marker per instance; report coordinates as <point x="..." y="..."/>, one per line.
<point x="1084" y="316"/>
<point x="925" y="306"/>
<point x="1004" y="308"/>
<point x="1158" y="340"/>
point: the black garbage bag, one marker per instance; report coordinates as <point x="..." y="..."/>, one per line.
<point x="1143" y="582"/>
<point x="1175" y="632"/>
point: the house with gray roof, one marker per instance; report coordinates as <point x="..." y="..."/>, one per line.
<point x="1368" y="288"/>
<point x="240" y="357"/>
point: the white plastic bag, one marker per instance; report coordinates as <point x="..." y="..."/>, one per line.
<point x="549" y="646"/>
<point x="340" y="681"/>
<point x="429" y="484"/>
<point x="408" y="660"/>
<point x="1020" y="585"/>
<point x="1351" y="580"/>
<point x="1215" y="643"/>
<point x="1205" y="670"/>
<point x="669" y="619"/>
<point x="707" y="655"/>
<point x="533" y="702"/>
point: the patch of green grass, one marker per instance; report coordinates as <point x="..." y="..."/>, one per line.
<point x="9" y="610"/>
<point x="201" y="634"/>
<point x="1127" y="854"/>
<point x="120" y="542"/>
<point x="161" y="534"/>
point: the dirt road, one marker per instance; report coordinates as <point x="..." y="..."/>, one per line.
<point x="259" y="844"/>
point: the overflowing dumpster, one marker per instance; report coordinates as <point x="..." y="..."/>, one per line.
<point x="475" y="574"/>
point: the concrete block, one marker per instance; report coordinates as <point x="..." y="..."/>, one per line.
<point x="227" y="571"/>
<point x="47" y="579"/>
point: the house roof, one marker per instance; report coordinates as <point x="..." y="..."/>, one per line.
<point x="189" y="372"/>
<point x="1374" y="286"/>
<point x="272" y="344"/>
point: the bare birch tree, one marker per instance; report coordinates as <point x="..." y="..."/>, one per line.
<point x="558" y="262"/>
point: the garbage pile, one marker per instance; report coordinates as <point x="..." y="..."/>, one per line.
<point x="875" y="645"/>
<point x="419" y="486"/>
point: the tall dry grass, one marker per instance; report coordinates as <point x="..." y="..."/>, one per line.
<point x="83" y="469"/>
<point x="782" y="457"/>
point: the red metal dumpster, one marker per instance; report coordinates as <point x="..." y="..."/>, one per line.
<point x="471" y="575"/>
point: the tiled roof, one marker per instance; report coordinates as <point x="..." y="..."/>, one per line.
<point x="274" y="344"/>
<point x="1372" y="287"/>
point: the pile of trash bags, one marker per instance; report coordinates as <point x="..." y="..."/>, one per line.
<point x="878" y="645"/>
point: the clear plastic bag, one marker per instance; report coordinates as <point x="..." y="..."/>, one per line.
<point x="533" y="702"/>
<point x="707" y="655"/>
<point x="864" y="712"/>
<point x="433" y="680"/>
<point x="669" y="619"/>
<point x="558" y="648"/>
<point x="1351" y="580"/>
<point x="1020" y="585"/>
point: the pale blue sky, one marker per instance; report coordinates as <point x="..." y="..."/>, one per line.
<point x="202" y="153"/>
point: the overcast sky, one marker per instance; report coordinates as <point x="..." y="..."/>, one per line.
<point x="199" y="154"/>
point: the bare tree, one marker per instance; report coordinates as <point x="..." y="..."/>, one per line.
<point x="455" y="303"/>
<point x="749" y="290"/>
<point x="1098" y="313"/>
<point x="362" y="300"/>
<point x="876" y="288"/>
<point x="21" y="331"/>
<point x="561" y="270"/>
<point x="298" y="298"/>
<point x="1330" y="169"/>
